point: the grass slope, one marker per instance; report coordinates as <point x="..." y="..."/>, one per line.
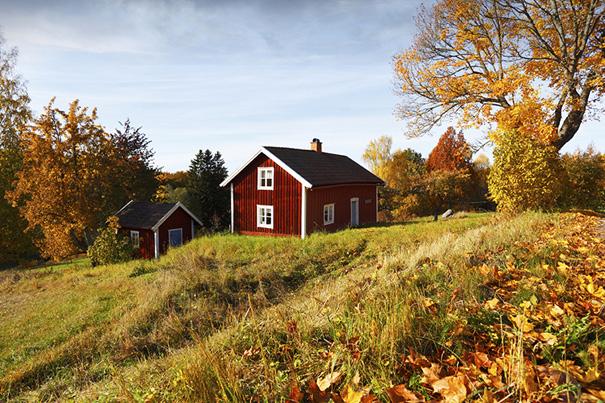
<point x="231" y="317"/>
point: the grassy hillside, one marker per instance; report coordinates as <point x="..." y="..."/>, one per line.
<point x="337" y="315"/>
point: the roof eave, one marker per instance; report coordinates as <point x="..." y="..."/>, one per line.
<point x="170" y="212"/>
<point x="274" y="158"/>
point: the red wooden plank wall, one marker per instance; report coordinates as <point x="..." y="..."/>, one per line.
<point x="178" y="219"/>
<point x="146" y="241"/>
<point x="341" y="196"/>
<point x="285" y="199"/>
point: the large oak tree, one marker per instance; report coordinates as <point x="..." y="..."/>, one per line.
<point x="533" y="66"/>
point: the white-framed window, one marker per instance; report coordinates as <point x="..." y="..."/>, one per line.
<point x="264" y="216"/>
<point x="265" y="178"/>
<point x="135" y="239"/>
<point x="175" y="237"/>
<point x="328" y="213"/>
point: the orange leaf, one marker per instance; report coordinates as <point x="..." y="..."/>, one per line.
<point x="400" y="393"/>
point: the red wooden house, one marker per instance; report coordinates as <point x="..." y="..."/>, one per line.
<point x="288" y="191"/>
<point x="155" y="227"/>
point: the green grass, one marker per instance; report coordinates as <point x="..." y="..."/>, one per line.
<point x="235" y="316"/>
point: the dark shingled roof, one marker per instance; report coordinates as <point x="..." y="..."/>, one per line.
<point x="143" y="214"/>
<point x="321" y="169"/>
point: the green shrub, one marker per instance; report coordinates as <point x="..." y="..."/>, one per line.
<point x="584" y="180"/>
<point x="110" y="246"/>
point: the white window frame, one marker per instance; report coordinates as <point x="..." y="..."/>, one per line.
<point x="266" y="170"/>
<point x="259" y="216"/>
<point x="174" y="230"/>
<point x="135" y="235"/>
<point x="355" y="199"/>
<point x="329" y="208"/>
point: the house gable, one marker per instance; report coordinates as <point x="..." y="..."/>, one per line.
<point x="285" y="199"/>
<point x="276" y="160"/>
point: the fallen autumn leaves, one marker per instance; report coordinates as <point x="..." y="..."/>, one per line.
<point x="536" y="336"/>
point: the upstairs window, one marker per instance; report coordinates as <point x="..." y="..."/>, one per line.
<point x="135" y="239"/>
<point x="328" y="214"/>
<point x="265" y="178"/>
<point x="264" y="216"/>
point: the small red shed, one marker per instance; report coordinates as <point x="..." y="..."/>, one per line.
<point x="289" y="191"/>
<point x="155" y="227"/>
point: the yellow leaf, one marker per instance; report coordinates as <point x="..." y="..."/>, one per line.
<point x="522" y="323"/>
<point x="325" y="382"/>
<point x="452" y="388"/>
<point x="549" y="338"/>
<point x="492" y="303"/>
<point x="350" y="395"/>
<point x="556" y="310"/>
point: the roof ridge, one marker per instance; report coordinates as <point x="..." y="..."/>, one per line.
<point x="307" y="150"/>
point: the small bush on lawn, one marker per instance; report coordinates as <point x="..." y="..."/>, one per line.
<point x="110" y="246"/>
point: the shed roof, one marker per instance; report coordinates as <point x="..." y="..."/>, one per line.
<point x="147" y="215"/>
<point x="316" y="168"/>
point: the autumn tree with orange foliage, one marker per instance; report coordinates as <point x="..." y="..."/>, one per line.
<point x="67" y="184"/>
<point x="533" y="67"/>
<point x="451" y="153"/>
<point x="449" y="170"/>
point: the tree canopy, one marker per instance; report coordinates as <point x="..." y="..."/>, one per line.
<point x="15" y="115"/>
<point x="532" y="66"/>
<point x="209" y="201"/>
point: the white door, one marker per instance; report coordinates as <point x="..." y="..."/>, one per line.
<point x="354" y="212"/>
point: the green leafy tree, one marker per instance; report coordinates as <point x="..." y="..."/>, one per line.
<point x="208" y="200"/>
<point x="441" y="188"/>
<point x="15" y="115"/>
<point x="526" y="174"/>
<point x="135" y="172"/>
<point x="402" y="174"/>
<point x="584" y="180"/>
<point x="173" y="188"/>
<point x="110" y="246"/>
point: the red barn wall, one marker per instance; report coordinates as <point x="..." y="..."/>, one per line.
<point x="146" y="241"/>
<point x="285" y="199"/>
<point x="341" y="196"/>
<point x="178" y="219"/>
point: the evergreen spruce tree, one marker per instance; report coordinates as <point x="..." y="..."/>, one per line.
<point x="208" y="200"/>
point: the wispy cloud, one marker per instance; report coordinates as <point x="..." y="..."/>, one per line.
<point x="225" y="75"/>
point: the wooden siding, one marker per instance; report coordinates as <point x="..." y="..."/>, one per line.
<point x="341" y="196"/>
<point x="285" y="199"/>
<point x="178" y="219"/>
<point x="146" y="249"/>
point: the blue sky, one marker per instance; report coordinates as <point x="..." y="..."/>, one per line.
<point x="226" y="75"/>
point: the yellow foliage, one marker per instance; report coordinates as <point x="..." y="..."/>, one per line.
<point x="66" y="178"/>
<point x="525" y="174"/>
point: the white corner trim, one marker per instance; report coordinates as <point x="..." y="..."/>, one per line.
<point x="156" y="244"/>
<point x="271" y="156"/>
<point x="172" y="210"/>
<point x="232" y="210"/>
<point x="303" y="212"/>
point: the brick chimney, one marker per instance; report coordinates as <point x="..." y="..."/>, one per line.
<point x="316" y="145"/>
